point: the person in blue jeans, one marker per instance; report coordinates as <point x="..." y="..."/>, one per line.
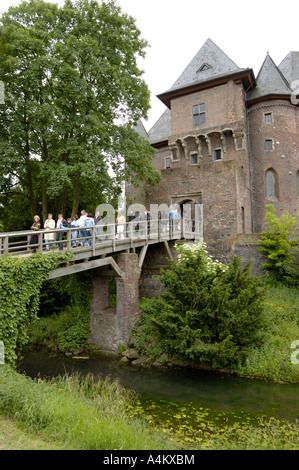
<point x="97" y="221"/>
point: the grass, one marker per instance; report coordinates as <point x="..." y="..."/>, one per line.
<point x="14" y="437"/>
<point x="272" y="360"/>
<point x="79" y="413"/>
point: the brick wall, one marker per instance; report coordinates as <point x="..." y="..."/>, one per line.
<point x="284" y="131"/>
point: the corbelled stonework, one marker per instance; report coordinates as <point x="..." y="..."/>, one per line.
<point x="228" y="140"/>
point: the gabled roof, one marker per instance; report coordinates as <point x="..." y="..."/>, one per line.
<point x="209" y="62"/>
<point x="290" y="67"/>
<point x="209" y="67"/>
<point x="269" y="82"/>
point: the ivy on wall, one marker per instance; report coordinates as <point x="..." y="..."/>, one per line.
<point x="21" y="280"/>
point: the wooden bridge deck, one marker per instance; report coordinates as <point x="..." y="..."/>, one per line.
<point x="97" y="253"/>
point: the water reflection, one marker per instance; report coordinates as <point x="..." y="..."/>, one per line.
<point x="218" y="392"/>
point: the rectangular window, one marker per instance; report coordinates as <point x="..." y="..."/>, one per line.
<point x="268" y="144"/>
<point x="218" y="154"/>
<point x="199" y="114"/>
<point x="194" y="159"/>
<point x="167" y="162"/>
<point x="268" y="118"/>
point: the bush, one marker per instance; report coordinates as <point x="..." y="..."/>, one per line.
<point x="273" y="359"/>
<point x="68" y="327"/>
<point x="278" y="242"/>
<point x="210" y="312"/>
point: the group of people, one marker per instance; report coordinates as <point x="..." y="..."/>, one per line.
<point x="79" y="237"/>
<point x="82" y="236"/>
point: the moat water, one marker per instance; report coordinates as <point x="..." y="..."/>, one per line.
<point x="177" y="389"/>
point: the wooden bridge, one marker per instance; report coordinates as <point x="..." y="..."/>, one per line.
<point x="116" y="250"/>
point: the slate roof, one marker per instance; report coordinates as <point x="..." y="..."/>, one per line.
<point x="290" y="66"/>
<point x="161" y="130"/>
<point x="270" y="81"/>
<point x="141" y="129"/>
<point x="209" y="63"/>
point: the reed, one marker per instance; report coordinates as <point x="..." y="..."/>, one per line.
<point x="82" y="413"/>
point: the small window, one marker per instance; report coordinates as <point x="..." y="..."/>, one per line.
<point x="268" y="118"/>
<point x="271" y="186"/>
<point x="167" y="162"/>
<point x="199" y="114"/>
<point x="194" y="159"/>
<point x="268" y="144"/>
<point x="218" y="154"/>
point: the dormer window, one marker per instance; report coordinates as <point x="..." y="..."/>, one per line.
<point x="204" y="67"/>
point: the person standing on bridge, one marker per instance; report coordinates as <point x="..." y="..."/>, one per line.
<point x="89" y="222"/>
<point x="97" y="221"/>
<point x="120" y="220"/>
<point x="59" y="235"/>
<point x="49" y="237"/>
<point x="34" y="237"/>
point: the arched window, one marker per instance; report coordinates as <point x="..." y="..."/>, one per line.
<point x="271" y="183"/>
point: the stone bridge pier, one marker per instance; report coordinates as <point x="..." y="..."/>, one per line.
<point x="111" y="327"/>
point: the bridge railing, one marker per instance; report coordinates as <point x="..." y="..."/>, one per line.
<point x="91" y="237"/>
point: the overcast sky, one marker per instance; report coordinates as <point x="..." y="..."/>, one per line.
<point x="176" y="30"/>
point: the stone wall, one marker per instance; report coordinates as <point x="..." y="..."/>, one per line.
<point x="245" y="246"/>
<point x="111" y="327"/>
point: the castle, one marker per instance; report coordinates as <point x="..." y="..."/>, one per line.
<point x="229" y="141"/>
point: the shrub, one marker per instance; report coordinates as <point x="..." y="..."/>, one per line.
<point x="68" y="327"/>
<point x="210" y="312"/>
<point x="278" y="242"/>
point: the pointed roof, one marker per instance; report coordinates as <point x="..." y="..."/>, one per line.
<point x="210" y="61"/>
<point x="270" y="81"/>
<point x="208" y="66"/>
<point x="161" y="130"/>
<point x="141" y="129"/>
<point x="290" y="67"/>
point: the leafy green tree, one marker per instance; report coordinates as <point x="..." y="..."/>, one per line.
<point x="73" y="97"/>
<point x="209" y="312"/>
<point x="279" y="242"/>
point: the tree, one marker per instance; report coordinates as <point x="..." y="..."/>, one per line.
<point x="279" y="242"/>
<point x="209" y="312"/>
<point x="73" y="97"/>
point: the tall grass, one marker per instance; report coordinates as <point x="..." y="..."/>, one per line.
<point x="82" y="413"/>
<point x="272" y="360"/>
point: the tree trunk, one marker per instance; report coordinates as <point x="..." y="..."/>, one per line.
<point x="77" y="193"/>
<point x="44" y="201"/>
<point x="29" y="182"/>
<point x="44" y="188"/>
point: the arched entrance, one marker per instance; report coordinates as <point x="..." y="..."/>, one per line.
<point x="191" y="213"/>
